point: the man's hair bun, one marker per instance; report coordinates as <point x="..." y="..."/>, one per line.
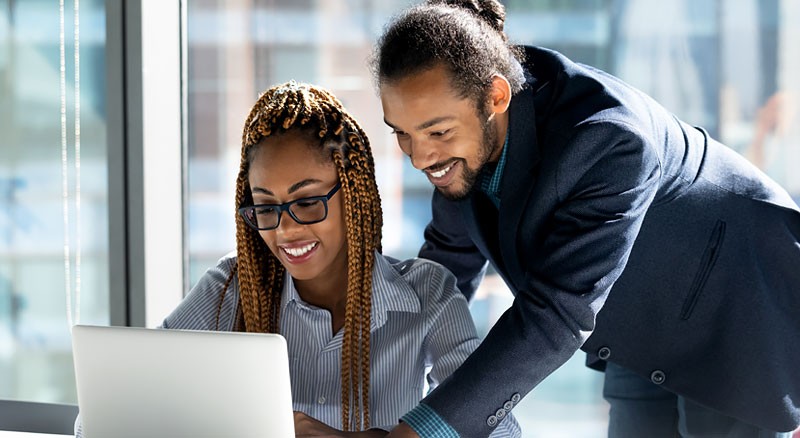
<point x="492" y="12"/>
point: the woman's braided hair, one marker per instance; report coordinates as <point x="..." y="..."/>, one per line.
<point x="318" y="114"/>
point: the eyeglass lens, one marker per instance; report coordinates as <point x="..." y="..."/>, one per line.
<point x="303" y="211"/>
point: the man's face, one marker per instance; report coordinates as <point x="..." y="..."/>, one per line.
<point x="444" y="134"/>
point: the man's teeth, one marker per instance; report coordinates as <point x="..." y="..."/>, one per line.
<point x="442" y="172"/>
<point x="297" y="252"/>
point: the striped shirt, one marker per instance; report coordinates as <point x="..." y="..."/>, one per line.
<point x="421" y="328"/>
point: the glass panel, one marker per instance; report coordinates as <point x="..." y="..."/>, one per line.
<point x="35" y="348"/>
<point x="240" y="48"/>
<point x="726" y="65"/>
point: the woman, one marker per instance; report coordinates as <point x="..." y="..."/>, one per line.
<point x="361" y="327"/>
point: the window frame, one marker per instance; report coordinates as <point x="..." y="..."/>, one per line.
<point x="145" y="102"/>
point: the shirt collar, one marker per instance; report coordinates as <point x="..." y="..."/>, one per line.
<point x="490" y="180"/>
<point x="390" y="291"/>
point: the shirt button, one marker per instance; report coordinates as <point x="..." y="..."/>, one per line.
<point x="604" y="353"/>
<point x="321" y="400"/>
<point x="658" y="377"/>
<point x="516" y="397"/>
<point x="500" y="414"/>
<point x="491" y="421"/>
<point x="508" y="405"/>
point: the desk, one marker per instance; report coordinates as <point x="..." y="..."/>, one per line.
<point x="5" y="434"/>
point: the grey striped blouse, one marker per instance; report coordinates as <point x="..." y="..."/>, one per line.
<point x="421" y="327"/>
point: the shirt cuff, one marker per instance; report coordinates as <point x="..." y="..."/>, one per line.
<point x="427" y="423"/>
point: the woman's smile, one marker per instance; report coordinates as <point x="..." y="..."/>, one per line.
<point x="298" y="252"/>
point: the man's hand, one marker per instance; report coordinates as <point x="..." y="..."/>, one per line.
<point x="309" y="427"/>
<point x="403" y="430"/>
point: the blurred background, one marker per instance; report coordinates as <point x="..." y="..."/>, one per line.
<point x="730" y="66"/>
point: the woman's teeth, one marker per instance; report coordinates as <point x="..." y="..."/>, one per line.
<point x="297" y="252"/>
<point x="442" y="172"/>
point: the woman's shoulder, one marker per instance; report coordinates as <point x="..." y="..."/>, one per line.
<point x="199" y="309"/>
<point x="408" y="266"/>
<point x="429" y="290"/>
<point x="431" y="283"/>
<point x="210" y="285"/>
<point x="225" y="264"/>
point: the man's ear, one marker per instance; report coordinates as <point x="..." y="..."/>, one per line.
<point x="499" y="94"/>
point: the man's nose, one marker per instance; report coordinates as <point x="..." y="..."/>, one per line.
<point x="423" y="154"/>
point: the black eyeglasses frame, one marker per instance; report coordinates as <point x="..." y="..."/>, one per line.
<point x="286" y="207"/>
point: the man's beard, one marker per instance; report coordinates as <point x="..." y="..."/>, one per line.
<point x="488" y="146"/>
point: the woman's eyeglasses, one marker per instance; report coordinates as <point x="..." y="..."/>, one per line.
<point x="304" y="211"/>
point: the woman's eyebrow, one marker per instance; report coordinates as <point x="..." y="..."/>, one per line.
<point x="303" y="183"/>
<point x="295" y="187"/>
<point x="260" y="190"/>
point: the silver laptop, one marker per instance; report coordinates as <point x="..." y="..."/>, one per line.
<point x="135" y="382"/>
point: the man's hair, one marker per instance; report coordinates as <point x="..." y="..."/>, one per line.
<point x="464" y="36"/>
<point x="318" y="116"/>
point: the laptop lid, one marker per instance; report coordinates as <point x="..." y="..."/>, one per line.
<point x="135" y="382"/>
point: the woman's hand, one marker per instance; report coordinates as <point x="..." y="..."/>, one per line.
<point x="403" y="430"/>
<point x="305" y="426"/>
<point x="308" y="427"/>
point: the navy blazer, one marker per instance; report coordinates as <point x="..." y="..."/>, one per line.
<point x="634" y="236"/>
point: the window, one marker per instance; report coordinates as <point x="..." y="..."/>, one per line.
<point x="72" y="225"/>
<point x="48" y="201"/>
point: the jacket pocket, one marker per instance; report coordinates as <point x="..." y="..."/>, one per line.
<point x="706" y="264"/>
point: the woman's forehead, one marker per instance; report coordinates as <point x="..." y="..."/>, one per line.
<point x="280" y="163"/>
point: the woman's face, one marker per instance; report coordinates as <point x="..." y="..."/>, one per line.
<point x="286" y="168"/>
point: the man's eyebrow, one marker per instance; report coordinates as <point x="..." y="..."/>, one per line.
<point x="295" y="187"/>
<point x="427" y="124"/>
<point x="432" y="122"/>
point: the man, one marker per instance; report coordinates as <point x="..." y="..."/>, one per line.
<point x="621" y="230"/>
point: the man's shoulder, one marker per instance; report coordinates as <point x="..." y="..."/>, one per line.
<point x="579" y="93"/>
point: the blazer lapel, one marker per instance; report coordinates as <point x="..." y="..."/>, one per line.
<point x="468" y="211"/>
<point x="519" y="176"/>
<point x="484" y="237"/>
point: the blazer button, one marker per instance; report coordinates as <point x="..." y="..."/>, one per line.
<point x="658" y="377"/>
<point x="604" y="353"/>
<point x="500" y="414"/>
<point x="491" y="421"/>
<point x="516" y="397"/>
<point x="508" y="405"/>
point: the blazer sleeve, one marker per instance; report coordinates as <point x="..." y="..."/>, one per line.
<point x="451" y="338"/>
<point x="607" y="176"/>
<point x="448" y="243"/>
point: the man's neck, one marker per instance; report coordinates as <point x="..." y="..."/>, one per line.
<point x="501" y="123"/>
